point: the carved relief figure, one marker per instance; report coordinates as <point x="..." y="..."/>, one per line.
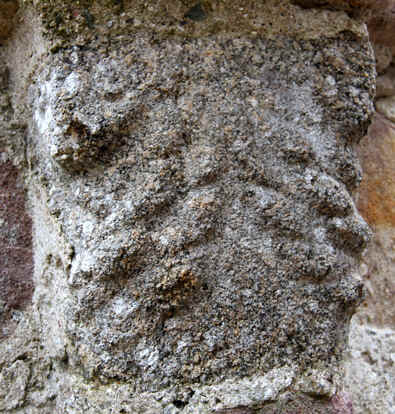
<point x="191" y="193"/>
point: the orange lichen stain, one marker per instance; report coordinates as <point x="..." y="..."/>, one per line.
<point x="376" y="195"/>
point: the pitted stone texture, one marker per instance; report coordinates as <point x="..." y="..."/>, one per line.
<point x="359" y="7"/>
<point x="202" y="184"/>
<point x="189" y="172"/>
<point x="27" y="381"/>
<point x="371" y="370"/>
<point x="13" y="383"/>
<point x="66" y="22"/>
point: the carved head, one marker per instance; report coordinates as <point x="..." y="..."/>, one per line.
<point x="203" y="184"/>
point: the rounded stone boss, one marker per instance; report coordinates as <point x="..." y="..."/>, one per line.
<point x="191" y="169"/>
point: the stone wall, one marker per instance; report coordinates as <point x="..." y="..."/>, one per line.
<point x="371" y="368"/>
<point x="16" y="259"/>
<point x="189" y="169"/>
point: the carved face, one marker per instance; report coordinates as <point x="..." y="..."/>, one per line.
<point x="203" y="186"/>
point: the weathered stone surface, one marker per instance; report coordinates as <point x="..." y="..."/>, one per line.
<point x="383" y="56"/>
<point x="189" y="169"/>
<point x="16" y="258"/>
<point x="347" y="5"/>
<point x="153" y="200"/>
<point x="375" y="195"/>
<point x="16" y="261"/>
<point x="8" y="9"/>
<point x="13" y="383"/>
<point x="386" y="107"/>
<point x="385" y="84"/>
<point x="382" y="23"/>
<point x="370" y="369"/>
